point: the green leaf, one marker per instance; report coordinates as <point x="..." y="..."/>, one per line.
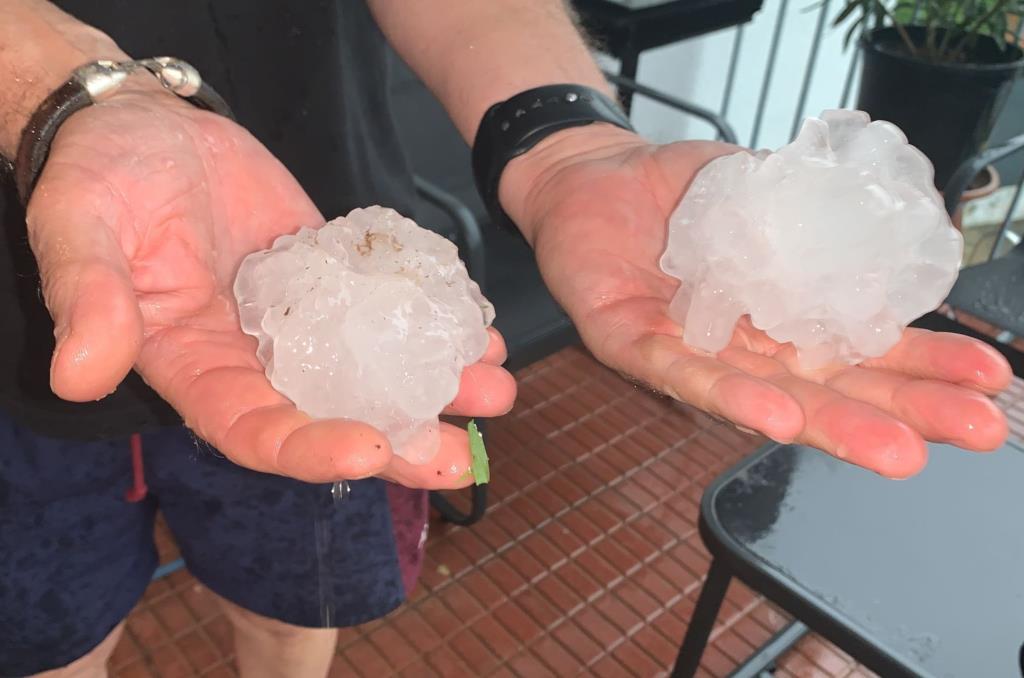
<point x="479" y="466"/>
<point x="908" y="12"/>
<point x="880" y="12"/>
<point x="853" y="29"/>
<point x="847" y="11"/>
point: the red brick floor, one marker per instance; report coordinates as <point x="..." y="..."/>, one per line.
<point x="588" y="561"/>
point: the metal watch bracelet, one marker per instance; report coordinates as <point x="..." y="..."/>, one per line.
<point x="90" y="84"/>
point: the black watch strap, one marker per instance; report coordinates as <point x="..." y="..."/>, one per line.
<point x="512" y="127"/>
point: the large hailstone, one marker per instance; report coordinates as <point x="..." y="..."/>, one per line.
<point x="370" y="318"/>
<point x="835" y="242"/>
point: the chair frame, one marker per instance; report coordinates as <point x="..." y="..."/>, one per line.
<point x="939" y="322"/>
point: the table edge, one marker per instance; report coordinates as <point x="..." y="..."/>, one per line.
<point x="784" y="591"/>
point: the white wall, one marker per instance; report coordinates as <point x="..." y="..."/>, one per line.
<point x="696" y="70"/>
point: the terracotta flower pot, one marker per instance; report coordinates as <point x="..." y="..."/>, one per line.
<point x="983" y="185"/>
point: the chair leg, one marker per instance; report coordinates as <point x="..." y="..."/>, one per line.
<point x="478" y="501"/>
<point x="704" y="615"/>
<point x="758" y="663"/>
<point x="451" y="514"/>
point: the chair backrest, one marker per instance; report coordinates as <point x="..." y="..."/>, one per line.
<point x="961" y="179"/>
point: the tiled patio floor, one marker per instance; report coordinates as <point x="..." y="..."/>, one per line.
<point x="588" y="561"/>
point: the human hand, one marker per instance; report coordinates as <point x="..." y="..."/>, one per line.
<point x="145" y="209"/>
<point x="595" y="202"/>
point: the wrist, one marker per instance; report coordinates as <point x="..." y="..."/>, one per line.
<point x="96" y="84"/>
<point x="524" y="177"/>
<point x="42" y="54"/>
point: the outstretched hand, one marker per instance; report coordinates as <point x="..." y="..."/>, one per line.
<point x="595" y="203"/>
<point x="139" y="222"/>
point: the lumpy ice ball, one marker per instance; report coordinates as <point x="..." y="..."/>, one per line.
<point x="370" y="318"/>
<point x="835" y="242"/>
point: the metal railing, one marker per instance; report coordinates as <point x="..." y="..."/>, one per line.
<point x="724" y="129"/>
<point x="824" y="11"/>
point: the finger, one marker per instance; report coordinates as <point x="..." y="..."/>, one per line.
<point x="939" y="411"/>
<point x="948" y="357"/>
<point x="446" y="471"/>
<point x="213" y="379"/>
<point x="752" y="362"/>
<point x="328" y="450"/>
<point x="496" y="353"/>
<point x="87" y="288"/>
<point x="720" y="389"/>
<point x="855" y="431"/>
<point x="484" y="391"/>
<point x="265" y="431"/>
<point x="821" y="405"/>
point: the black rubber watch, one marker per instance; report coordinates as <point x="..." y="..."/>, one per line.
<point x="512" y="127"/>
<point x="87" y="85"/>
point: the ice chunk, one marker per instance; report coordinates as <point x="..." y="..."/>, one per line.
<point x="370" y="318"/>
<point x="835" y="242"/>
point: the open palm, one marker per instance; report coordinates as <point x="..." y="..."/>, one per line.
<point x="599" y="220"/>
<point x="145" y="209"/>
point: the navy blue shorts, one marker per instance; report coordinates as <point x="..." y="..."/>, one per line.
<point x="75" y="557"/>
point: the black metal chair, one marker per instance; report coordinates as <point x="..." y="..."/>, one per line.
<point x="992" y="291"/>
<point x="625" y="32"/>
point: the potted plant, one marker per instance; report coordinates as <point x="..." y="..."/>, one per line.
<point x="939" y="69"/>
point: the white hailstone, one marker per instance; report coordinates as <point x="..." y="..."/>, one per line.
<point x="835" y="242"/>
<point x="370" y="318"/>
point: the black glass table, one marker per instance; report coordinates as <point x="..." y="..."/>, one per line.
<point x="922" y="577"/>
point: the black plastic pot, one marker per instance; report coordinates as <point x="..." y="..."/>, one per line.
<point x="946" y="110"/>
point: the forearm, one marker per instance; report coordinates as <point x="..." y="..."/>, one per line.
<point x="39" y="47"/>
<point x="473" y="54"/>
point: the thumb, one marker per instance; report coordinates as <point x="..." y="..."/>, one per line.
<point x="88" y="290"/>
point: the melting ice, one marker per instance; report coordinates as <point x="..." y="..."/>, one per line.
<point x="835" y="242"/>
<point x="370" y="318"/>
